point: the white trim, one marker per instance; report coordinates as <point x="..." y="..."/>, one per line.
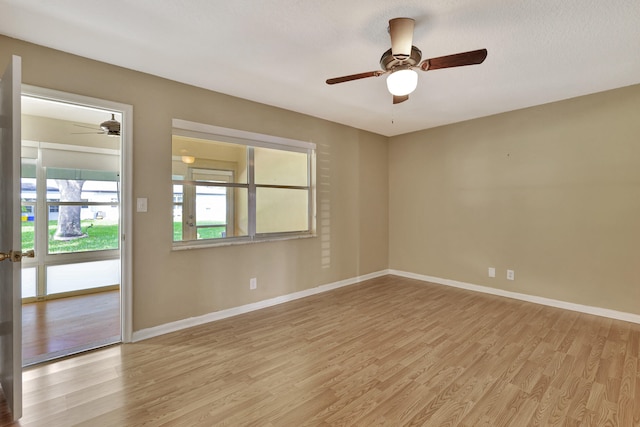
<point x="223" y="314"/>
<point x="233" y="241"/>
<point x="126" y="190"/>
<point x="178" y="325"/>
<point x="126" y="194"/>
<point x="201" y="130"/>
<point x="72" y="98"/>
<point x="596" y="311"/>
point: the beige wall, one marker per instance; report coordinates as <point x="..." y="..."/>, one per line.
<point x="170" y="286"/>
<point x="552" y="192"/>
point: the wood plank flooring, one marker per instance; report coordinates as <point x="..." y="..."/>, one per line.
<point x="66" y="326"/>
<point x="390" y="351"/>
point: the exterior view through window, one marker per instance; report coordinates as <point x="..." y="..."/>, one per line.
<point x="82" y="210"/>
<point x="71" y="217"/>
<point x="231" y="186"/>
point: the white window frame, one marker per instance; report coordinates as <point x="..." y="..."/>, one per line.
<point x="250" y="139"/>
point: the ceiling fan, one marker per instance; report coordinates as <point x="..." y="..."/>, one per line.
<point x="401" y="61"/>
<point x="108" y="127"/>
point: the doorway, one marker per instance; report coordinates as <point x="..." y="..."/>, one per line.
<point x="74" y="215"/>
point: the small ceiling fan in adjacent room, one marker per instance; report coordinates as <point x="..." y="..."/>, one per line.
<point x="401" y="61"/>
<point x="109" y="127"/>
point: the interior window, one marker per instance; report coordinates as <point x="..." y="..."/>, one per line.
<point x="229" y="189"/>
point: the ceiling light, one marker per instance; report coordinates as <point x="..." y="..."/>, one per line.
<point x="188" y="159"/>
<point x="402" y="82"/>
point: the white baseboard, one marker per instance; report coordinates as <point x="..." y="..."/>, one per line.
<point x="597" y="311"/>
<point x="223" y="314"/>
<point x="230" y="312"/>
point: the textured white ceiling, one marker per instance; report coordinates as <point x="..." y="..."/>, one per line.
<point x="280" y="52"/>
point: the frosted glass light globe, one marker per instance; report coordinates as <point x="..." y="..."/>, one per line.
<point x="402" y="82"/>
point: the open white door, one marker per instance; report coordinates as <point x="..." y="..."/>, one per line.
<point x="10" y="239"/>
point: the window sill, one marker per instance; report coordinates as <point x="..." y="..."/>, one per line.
<point x="186" y="246"/>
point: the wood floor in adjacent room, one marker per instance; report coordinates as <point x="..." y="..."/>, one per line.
<point x="389" y="351"/>
<point x="64" y="326"/>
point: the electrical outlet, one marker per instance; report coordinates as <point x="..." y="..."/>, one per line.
<point x="492" y="272"/>
<point x="511" y="275"/>
<point x="253" y="283"/>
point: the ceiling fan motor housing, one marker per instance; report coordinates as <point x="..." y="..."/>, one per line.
<point x="388" y="62"/>
<point x="111" y="127"/>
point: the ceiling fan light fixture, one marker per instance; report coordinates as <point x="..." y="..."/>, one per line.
<point x="402" y="82"/>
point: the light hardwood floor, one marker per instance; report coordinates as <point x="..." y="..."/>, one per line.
<point x="64" y="326"/>
<point x="390" y="351"/>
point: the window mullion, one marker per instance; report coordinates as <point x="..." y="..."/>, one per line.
<point x="252" y="194"/>
<point x="310" y="194"/>
<point x="41" y="229"/>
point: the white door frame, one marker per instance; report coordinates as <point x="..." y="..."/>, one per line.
<point x="126" y="161"/>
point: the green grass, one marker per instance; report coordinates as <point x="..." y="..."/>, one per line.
<point x="101" y="236"/>
<point x="203" y="233"/>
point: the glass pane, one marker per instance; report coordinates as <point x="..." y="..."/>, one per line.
<point x="212" y="212"/>
<point x="28" y="282"/>
<point x="28" y="168"/>
<point x="278" y="167"/>
<point x="80" y="229"/>
<point x="280" y="210"/>
<point x="28" y="203"/>
<point x="193" y="153"/>
<point x="28" y="221"/>
<point x="178" y="197"/>
<point x="82" y="174"/>
<point x="77" y="190"/>
<point x="177" y="223"/>
<point x="76" y="228"/>
<point x="218" y="212"/>
<point x="87" y="275"/>
<point x="178" y="193"/>
<point x="100" y="191"/>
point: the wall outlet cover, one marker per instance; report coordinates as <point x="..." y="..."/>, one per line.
<point x="141" y="204"/>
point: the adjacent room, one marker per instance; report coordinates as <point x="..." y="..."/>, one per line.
<point x="354" y="213"/>
<point x="70" y="217"/>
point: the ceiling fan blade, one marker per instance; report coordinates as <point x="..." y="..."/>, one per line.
<point x="86" y="127"/>
<point x="456" y="60"/>
<point x="354" y="77"/>
<point x="398" y="99"/>
<point x="401" y="33"/>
